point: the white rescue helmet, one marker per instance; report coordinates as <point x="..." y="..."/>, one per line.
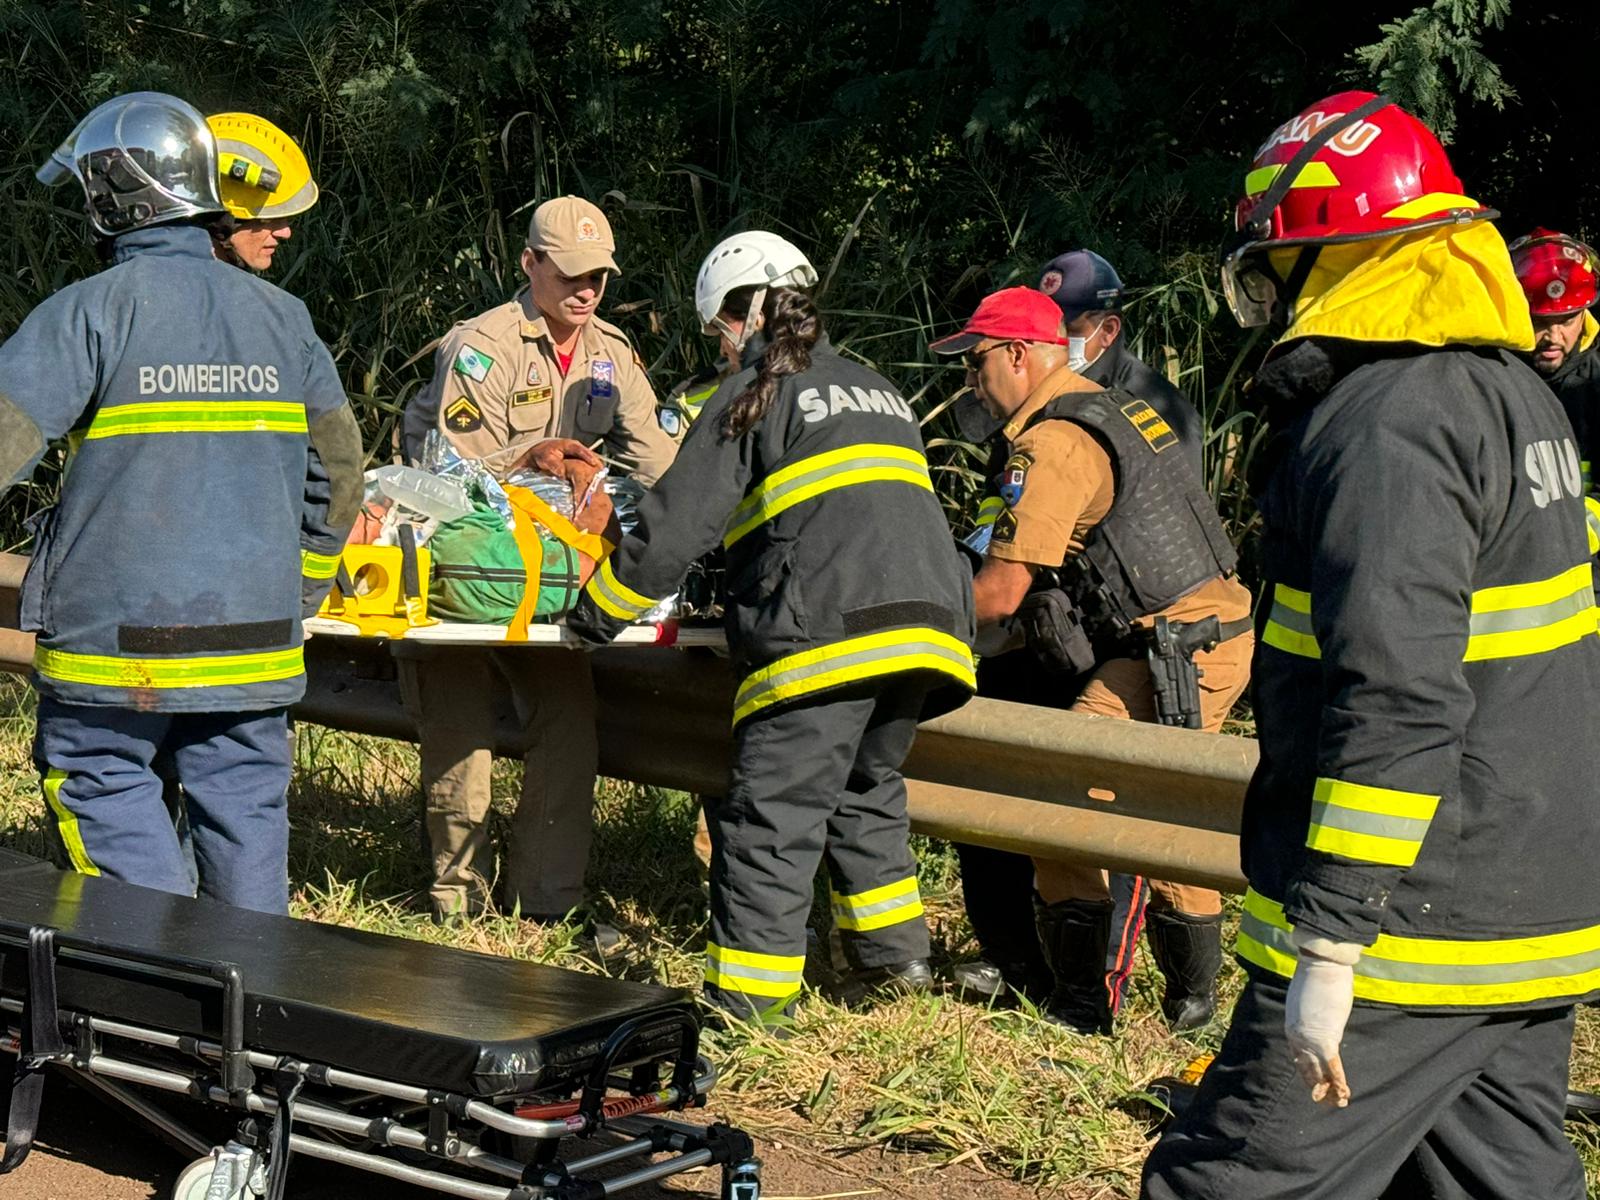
<point x="142" y="158"/>
<point x="755" y="259"/>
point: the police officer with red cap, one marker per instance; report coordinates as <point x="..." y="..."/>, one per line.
<point x="1561" y="278"/>
<point x="1421" y="831"/>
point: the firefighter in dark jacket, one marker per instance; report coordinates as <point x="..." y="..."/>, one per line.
<point x="847" y="606"/>
<point x="1111" y="559"/>
<point x="1421" y="832"/>
<point x="1559" y="274"/>
<point x="211" y="452"/>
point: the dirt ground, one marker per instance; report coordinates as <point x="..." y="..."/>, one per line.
<point x="87" y="1151"/>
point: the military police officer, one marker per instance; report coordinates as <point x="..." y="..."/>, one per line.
<point x="1108" y="552"/>
<point x="513" y="385"/>
<point x="166" y="585"/>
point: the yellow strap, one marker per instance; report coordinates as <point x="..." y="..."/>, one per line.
<point x="526" y="511"/>
<point x="532" y="551"/>
<point x="592" y="544"/>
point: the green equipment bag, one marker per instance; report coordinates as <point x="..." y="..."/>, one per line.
<point x="479" y="577"/>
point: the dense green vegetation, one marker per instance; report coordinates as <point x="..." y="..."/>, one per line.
<point x="922" y="152"/>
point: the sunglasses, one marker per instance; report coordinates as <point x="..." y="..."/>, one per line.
<point x="973" y="359"/>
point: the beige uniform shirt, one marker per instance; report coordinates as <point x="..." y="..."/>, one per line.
<point x="497" y="388"/>
<point x="1067" y="489"/>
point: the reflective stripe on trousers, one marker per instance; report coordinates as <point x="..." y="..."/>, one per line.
<point x="1439" y="972"/>
<point x="878" y="908"/>
<point x="774" y="976"/>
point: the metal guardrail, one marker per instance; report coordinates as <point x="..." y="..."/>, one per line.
<point x="1127" y="796"/>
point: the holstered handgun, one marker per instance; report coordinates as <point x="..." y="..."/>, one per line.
<point x="1171" y="648"/>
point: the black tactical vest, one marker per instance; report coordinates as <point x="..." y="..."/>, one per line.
<point x="1162" y="538"/>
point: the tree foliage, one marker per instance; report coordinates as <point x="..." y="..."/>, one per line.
<point x="922" y="153"/>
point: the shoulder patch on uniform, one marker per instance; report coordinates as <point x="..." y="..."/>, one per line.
<point x="1150" y="425"/>
<point x="536" y="395"/>
<point x="670" y="420"/>
<point x="473" y="363"/>
<point x="463" y="416"/>
<point x="1014" y="477"/>
<point x="601" y="374"/>
<point x="1005" y="527"/>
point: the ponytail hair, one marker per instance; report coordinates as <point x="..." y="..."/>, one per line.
<point x="792" y="327"/>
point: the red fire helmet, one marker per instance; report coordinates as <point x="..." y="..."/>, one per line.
<point x="1351" y="167"/>
<point x="1560" y="274"/>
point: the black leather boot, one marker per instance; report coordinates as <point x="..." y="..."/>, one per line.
<point x="1189" y="952"/>
<point x="1073" y="934"/>
<point x="898" y="979"/>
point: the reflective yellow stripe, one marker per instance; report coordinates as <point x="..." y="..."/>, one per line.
<point x="1369" y="824"/>
<point x="1510" y="621"/>
<point x="878" y="908"/>
<point x="1431" y="205"/>
<point x="773" y="975"/>
<point x="1312" y="174"/>
<point x="1288" y="626"/>
<point x="1440" y="972"/>
<point x="866" y="462"/>
<point x="990" y="510"/>
<point x="198" y="416"/>
<point x="853" y="659"/>
<point x="1532" y="618"/>
<point x="616" y="598"/>
<point x="1591" y="515"/>
<point x="318" y="566"/>
<point x="216" y="671"/>
<point x="67" y="824"/>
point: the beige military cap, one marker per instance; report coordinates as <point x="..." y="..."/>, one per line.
<point x="575" y="234"/>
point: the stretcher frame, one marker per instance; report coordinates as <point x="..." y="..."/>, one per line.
<point x="290" y="1107"/>
<point x="669" y="633"/>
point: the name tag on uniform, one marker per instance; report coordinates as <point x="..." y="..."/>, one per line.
<point x="538" y="395"/>
<point x="601" y="375"/>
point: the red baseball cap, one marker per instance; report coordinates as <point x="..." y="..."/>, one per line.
<point x="1016" y="314"/>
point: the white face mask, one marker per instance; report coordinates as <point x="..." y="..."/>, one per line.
<point x="1076" y="358"/>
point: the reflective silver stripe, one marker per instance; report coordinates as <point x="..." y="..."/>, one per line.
<point x="1514" y="620"/>
<point x="844" y="908"/>
<point x="821" y="473"/>
<point x="1296" y="622"/>
<point x="745" y="971"/>
<point x="786" y="680"/>
<point x="1334" y="816"/>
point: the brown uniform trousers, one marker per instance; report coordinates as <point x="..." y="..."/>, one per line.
<point x="460" y="697"/>
<point x="498" y="389"/>
<point x="1123" y="689"/>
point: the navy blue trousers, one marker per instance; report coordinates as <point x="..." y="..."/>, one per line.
<point x="110" y="817"/>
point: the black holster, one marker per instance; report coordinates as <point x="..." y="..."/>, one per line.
<point x="1171" y="647"/>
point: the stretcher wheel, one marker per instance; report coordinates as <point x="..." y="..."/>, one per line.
<point x="742" y="1181"/>
<point x="241" y="1177"/>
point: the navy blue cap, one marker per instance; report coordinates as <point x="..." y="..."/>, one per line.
<point x="1080" y="281"/>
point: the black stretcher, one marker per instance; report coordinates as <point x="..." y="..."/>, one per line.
<point x="469" y="1074"/>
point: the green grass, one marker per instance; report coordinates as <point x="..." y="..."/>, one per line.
<point x="930" y="1075"/>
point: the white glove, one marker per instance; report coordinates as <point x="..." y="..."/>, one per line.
<point x="1315" y="1014"/>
